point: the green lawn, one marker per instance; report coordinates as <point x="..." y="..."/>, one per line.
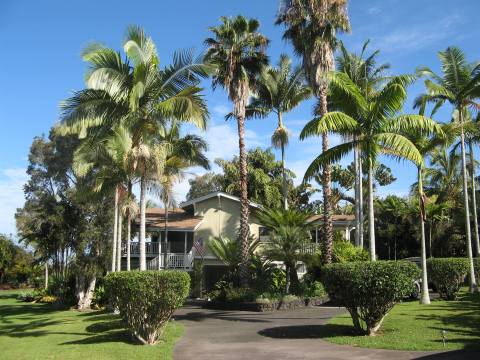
<point x="411" y="326"/>
<point x="37" y="331"/>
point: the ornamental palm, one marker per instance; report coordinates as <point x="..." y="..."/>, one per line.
<point x="372" y="121"/>
<point x="140" y="95"/>
<point x="290" y="232"/>
<point x="279" y="90"/>
<point x="458" y="85"/>
<point x="311" y="26"/>
<point x="236" y="51"/>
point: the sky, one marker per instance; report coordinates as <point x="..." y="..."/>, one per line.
<point x="41" y="65"/>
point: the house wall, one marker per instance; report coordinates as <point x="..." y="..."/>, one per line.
<point x="221" y="217"/>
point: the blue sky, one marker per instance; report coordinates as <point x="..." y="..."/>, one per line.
<point x="41" y="65"/>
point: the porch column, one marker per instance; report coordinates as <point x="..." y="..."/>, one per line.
<point x="185" y="252"/>
<point x="316" y="235"/>
<point x="347" y="233"/>
<point x="159" y="249"/>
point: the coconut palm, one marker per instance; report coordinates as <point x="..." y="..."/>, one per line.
<point x="364" y="71"/>
<point x="140" y="95"/>
<point x="279" y="90"/>
<point x="311" y="27"/>
<point x="458" y="85"/>
<point x="290" y="232"/>
<point x="373" y="122"/>
<point x="236" y="52"/>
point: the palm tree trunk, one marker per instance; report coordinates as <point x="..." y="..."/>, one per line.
<point x="143" y="257"/>
<point x="425" y="297"/>
<point x="46" y="276"/>
<point x="284" y="175"/>
<point x="327" y="191"/>
<point x="371" y="218"/>
<point x="129" y="235"/>
<point x="119" y="242"/>
<point x="115" y="229"/>
<point x="244" y="210"/>
<point x="474" y="199"/>
<point x="357" y="197"/>
<point x="360" y="197"/>
<point x="165" y="239"/>
<point x="473" y="285"/>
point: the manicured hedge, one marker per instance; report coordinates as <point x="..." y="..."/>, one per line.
<point x="369" y="290"/>
<point x="447" y="274"/>
<point x="147" y="299"/>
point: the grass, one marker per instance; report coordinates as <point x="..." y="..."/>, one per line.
<point x="38" y="331"/>
<point x="411" y="326"/>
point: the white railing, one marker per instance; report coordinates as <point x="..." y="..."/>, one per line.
<point x="150" y="248"/>
<point x="310" y="248"/>
<point x="174" y="261"/>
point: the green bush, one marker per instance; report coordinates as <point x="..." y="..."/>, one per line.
<point x="369" y="290"/>
<point x="447" y="274"/>
<point x="345" y="251"/>
<point x="147" y="299"/>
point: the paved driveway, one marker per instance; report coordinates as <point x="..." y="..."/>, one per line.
<point x="232" y="335"/>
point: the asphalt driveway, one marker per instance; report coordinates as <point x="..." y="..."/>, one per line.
<point x="232" y="335"/>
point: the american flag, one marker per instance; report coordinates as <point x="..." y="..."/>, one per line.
<point x="197" y="244"/>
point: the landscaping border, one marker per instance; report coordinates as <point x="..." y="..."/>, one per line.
<point x="277" y="305"/>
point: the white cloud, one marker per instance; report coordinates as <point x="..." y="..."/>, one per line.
<point x="374" y="10"/>
<point x="11" y="197"/>
<point x="221" y="110"/>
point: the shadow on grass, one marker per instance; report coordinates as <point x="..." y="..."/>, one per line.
<point x="308" y="331"/>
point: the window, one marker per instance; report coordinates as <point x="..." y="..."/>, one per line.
<point x="264" y="234"/>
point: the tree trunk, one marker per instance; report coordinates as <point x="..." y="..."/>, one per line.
<point x="284" y="175"/>
<point x="371" y="216"/>
<point x="129" y="236"/>
<point x="327" y="191"/>
<point x="425" y="296"/>
<point x="119" y="242"/>
<point x="473" y="284"/>
<point x="373" y="328"/>
<point x="84" y="291"/>
<point x="240" y="105"/>
<point x="46" y="275"/>
<point x="165" y="239"/>
<point x="474" y="199"/>
<point x="287" y="279"/>
<point x="360" y="197"/>
<point x="115" y="229"/>
<point x="357" y="197"/>
<point x="143" y="257"/>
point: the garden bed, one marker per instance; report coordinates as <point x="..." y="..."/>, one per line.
<point x="267" y="305"/>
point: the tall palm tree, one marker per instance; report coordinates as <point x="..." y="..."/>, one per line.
<point x="373" y="122"/>
<point x="311" y="27"/>
<point x="458" y="85"/>
<point x="364" y="71"/>
<point x="140" y="95"/>
<point x="279" y="90"/>
<point x="237" y="53"/>
<point x="183" y="152"/>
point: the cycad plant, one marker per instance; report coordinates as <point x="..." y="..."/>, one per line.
<point x="237" y="54"/>
<point x="458" y="85"/>
<point x="279" y="90"/>
<point x="312" y="26"/>
<point x="139" y="95"/>
<point x="375" y="126"/>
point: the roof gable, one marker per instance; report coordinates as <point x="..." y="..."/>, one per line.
<point x="216" y="194"/>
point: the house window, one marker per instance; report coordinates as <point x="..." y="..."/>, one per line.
<point x="264" y="234"/>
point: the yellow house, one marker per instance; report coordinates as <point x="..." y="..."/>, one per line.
<point x="190" y="227"/>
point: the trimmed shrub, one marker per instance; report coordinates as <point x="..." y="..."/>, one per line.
<point x="447" y="275"/>
<point x="147" y="299"/>
<point x="369" y="290"/>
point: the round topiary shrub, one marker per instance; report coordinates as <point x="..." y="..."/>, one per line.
<point x="447" y="274"/>
<point x="147" y="299"/>
<point x="369" y="290"/>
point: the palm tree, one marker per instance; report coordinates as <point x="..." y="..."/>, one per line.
<point x="279" y="90"/>
<point x="130" y="210"/>
<point x="311" y="27"/>
<point x="140" y="95"/>
<point x="236" y="51"/>
<point x="363" y="71"/>
<point x="458" y="85"/>
<point x="290" y="232"/>
<point x="372" y="121"/>
<point x="183" y="152"/>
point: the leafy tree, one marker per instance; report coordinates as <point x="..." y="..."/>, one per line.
<point x="311" y="27"/>
<point x="458" y="85"/>
<point x="236" y="52"/>
<point x="16" y="264"/>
